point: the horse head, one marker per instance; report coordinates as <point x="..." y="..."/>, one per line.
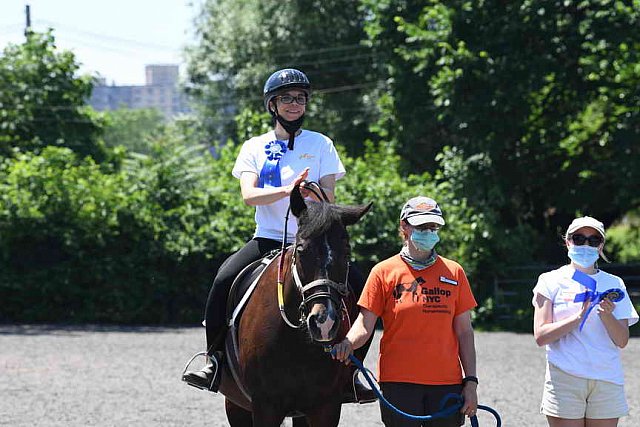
<point x="321" y="262"/>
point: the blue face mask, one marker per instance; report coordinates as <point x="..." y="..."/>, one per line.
<point x="424" y="240"/>
<point x="585" y="256"/>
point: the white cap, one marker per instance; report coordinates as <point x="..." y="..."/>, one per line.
<point x="421" y="210"/>
<point x="586" y="221"/>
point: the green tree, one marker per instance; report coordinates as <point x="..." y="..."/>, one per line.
<point x="540" y="99"/>
<point x="134" y="129"/>
<point x="241" y="43"/>
<point x="42" y="100"/>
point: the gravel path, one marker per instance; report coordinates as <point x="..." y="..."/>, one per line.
<point x="101" y="376"/>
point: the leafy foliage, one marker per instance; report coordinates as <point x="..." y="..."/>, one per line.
<point x="530" y="94"/>
<point x="134" y="129"/>
<point x="623" y="239"/>
<point x="241" y="43"/>
<point x="42" y="101"/>
<point x="140" y="245"/>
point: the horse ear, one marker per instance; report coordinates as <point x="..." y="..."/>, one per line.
<point x="352" y="214"/>
<point x="296" y="201"/>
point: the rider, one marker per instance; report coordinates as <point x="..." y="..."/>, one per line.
<point x="269" y="166"/>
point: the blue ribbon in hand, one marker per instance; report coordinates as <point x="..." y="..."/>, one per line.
<point x="270" y="173"/>
<point x="613" y="294"/>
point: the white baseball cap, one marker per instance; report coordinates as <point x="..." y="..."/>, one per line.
<point x="421" y="210"/>
<point x="586" y="221"/>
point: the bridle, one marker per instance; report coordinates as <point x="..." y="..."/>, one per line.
<point x="317" y="289"/>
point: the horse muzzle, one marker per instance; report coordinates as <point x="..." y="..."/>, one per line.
<point x="321" y="307"/>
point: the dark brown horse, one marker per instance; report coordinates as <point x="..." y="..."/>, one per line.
<point x="277" y="365"/>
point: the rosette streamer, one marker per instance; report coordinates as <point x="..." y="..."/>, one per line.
<point x="595" y="297"/>
<point x="270" y="172"/>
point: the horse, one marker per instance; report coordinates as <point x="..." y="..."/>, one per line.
<point x="276" y="360"/>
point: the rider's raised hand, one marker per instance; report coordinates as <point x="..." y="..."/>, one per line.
<point x="298" y="181"/>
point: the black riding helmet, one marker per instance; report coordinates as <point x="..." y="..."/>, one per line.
<point x="284" y="79"/>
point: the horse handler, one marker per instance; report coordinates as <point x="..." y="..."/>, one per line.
<point x="425" y="303"/>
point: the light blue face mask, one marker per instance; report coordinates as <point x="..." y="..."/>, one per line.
<point x="585" y="256"/>
<point x="424" y="240"/>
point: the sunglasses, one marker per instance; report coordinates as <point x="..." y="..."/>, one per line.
<point x="427" y="226"/>
<point x="288" y="99"/>
<point x="581" y="239"/>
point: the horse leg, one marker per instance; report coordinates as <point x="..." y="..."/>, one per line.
<point x="325" y="415"/>
<point x="266" y="415"/>
<point x="236" y="415"/>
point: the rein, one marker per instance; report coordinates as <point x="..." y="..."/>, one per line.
<point x="444" y="410"/>
<point x="315" y="188"/>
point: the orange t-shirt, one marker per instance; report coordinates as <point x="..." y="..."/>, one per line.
<point x="417" y="308"/>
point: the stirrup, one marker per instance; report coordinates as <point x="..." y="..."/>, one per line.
<point x="210" y="359"/>
<point x="361" y="399"/>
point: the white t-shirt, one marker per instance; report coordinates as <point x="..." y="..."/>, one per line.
<point x="312" y="150"/>
<point x="590" y="352"/>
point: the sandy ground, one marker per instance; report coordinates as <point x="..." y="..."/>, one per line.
<point x="101" y="376"/>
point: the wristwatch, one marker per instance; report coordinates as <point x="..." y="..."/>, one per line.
<point x="470" y="378"/>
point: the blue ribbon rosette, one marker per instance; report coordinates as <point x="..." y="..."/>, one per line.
<point x="613" y="294"/>
<point x="270" y="173"/>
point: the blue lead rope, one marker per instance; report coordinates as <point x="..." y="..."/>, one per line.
<point x="443" y="412"/>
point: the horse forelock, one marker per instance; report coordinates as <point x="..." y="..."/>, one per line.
<point x="317" y="220"/>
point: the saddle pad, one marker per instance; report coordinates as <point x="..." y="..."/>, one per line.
<point x="243" y="281"/>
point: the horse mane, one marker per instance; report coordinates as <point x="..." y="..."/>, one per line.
<point x="317" y="219"/>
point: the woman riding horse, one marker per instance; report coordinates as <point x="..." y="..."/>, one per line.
<point x="301" y="305"/>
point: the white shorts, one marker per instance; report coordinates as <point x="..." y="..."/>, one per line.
<point x="570" y="397"/>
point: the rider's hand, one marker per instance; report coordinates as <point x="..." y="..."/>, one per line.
<point x="470" y="396"/>
<point x="298" y="181"/>
<point x="304" y="191"/>
<point x="342" y="350"/>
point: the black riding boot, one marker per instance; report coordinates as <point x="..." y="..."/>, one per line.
<point x="208" y="378"/>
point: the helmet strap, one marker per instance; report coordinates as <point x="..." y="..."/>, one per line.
<point x="291" y="126"/>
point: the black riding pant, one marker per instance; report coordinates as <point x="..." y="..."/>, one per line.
<point x="216" y="308"/>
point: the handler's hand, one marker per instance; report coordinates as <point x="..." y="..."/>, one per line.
<point x="606" y="306"/>
<point x="585" y="307"/>
<point x="342" y="350"/>
<point x="470" y="395"/>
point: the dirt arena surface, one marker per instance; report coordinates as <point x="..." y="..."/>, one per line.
<point x="103" y="376"/>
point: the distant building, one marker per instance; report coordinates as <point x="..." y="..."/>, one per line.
<point x="161" y="91"/>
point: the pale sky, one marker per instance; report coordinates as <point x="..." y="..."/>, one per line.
<point x="114" y="38"/>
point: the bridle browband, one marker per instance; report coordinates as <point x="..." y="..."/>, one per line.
<point x="330" y="289"/>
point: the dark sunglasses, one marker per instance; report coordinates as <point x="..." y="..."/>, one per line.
<point x="580" y="239"/>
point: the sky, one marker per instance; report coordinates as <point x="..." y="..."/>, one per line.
<point x="112" y="38"/>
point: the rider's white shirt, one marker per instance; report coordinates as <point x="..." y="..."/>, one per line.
<point x="587" y="353"/>
<point x="311" y="149"/>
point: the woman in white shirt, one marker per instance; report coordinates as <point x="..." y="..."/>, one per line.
<point x="582" y="316"/>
